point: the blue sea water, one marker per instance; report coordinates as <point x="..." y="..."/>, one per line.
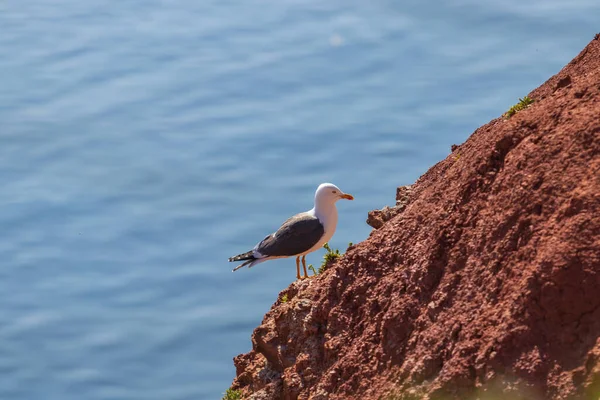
<point x="142" y="143"/>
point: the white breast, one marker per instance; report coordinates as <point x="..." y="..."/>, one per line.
<point x="329" y="220"/>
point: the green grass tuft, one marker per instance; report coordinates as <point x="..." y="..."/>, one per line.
<point x="231" y="394"/>
<point x="521" y="105"/>
<point x="329" y="257"/>
<point x="284" y="298"/>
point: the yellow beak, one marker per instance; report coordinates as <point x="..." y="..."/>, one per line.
<point x="347" y="196"/>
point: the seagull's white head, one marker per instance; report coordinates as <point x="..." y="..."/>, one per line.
<point x="328" y="193"/>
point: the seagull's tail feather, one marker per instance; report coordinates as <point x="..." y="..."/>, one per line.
<point x="249" y="260"/>
<point x="249" y="255"/>
<point x="244" y="264"/>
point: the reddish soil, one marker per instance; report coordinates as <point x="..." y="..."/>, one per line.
<point x="484" y="283"/>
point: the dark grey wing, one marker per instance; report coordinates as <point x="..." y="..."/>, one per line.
<point x="297" y="235"/>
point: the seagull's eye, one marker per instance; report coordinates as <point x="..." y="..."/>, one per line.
<point x="334" y="191"/>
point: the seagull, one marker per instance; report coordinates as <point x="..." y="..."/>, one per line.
<point x="301" y="234"/>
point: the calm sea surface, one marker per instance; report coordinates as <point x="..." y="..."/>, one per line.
<point x="144" y="142"/>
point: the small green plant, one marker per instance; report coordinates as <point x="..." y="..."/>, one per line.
<point x="329" y="257"/>
<point x="521" y="105"/>
<point x="231" y="394"/>
<point x="284" y="298"/>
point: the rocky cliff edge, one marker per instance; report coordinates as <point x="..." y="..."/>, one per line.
<point x="483" y="283"/>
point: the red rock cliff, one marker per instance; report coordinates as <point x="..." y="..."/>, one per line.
<point x="486" y="283"/>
